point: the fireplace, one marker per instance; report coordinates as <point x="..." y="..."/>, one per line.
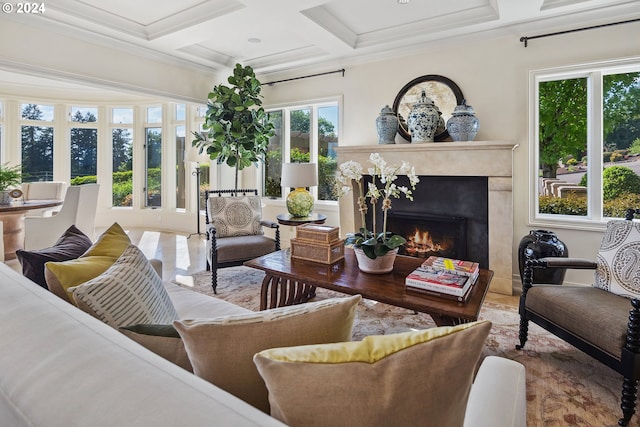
<point x="430" y="235"/>
<point x="489" y="163"/>
<point x="450" y="211"/>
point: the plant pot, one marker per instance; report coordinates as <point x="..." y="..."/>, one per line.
<point x="379" y="265"/>
<point x="540" y="244"/>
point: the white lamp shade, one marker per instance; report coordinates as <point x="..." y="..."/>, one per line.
<point x="299" y="175"/>
<point x="191" y="155"/>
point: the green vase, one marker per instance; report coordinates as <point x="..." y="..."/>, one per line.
<point x="299" y="202"/>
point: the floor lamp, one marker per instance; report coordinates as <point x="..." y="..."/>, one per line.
<point x="192" y="156"/>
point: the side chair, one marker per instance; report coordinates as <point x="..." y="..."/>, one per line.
<point x="602" y="320"/>
<point x="234" y="230"/>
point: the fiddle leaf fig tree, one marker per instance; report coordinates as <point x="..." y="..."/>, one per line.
<point x="236" y="127"/>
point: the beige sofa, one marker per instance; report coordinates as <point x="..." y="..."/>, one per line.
<point x="63" y="367"/>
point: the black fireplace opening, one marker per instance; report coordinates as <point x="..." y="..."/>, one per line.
<point x="427" y="235"/>
<point x="449" y="209"/>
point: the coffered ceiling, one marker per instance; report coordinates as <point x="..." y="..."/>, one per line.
<point x="278" y="35"/>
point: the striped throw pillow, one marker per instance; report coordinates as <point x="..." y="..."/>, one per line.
<point x="130" y="292"/>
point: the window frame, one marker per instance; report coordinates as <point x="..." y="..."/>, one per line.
<point x="314" y="140"/>
<point x="594" y="73"/>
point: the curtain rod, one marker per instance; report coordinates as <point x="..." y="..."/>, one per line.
<point x="305" y="77"/>
<point x="525" y="39"/>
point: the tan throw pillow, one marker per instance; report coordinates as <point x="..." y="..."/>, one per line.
<point x="221" y="350"/>
<point x="163" y="340"/>
<point x="619" y="259"/>
<point x="236" y="216"/>
<point x="130" y="292"/>
<point x="407" y="379"/>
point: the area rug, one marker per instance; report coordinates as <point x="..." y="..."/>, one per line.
<point x="565" y="387"/>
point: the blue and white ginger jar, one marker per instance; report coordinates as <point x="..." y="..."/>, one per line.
<point x="463" y="125"/>
<point x="423" y="120"/>
<point x="387" y="126"/>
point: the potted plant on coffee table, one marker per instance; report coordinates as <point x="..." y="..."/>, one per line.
<point x="10" y="176"/>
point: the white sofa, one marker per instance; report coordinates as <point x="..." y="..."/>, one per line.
<point x="62" y="367"/>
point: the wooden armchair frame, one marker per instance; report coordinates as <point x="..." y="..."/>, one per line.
<point x="627" y="363"/>
<point x="210" y="232"/>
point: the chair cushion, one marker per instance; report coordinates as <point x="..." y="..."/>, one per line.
<point x="130" y="292"/>
<point x="567" y="306"/>
<point x="70" y="245"/>
<point x="235" y="216"/>
<point x="221" y="350"/>
<point x="406" y="379"/>
<point x="60" y="276"/>
<point x="619" y="259"/>
<point x="241" y="248"/>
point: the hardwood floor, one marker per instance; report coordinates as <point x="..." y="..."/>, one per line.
<point x="182" y="255"/>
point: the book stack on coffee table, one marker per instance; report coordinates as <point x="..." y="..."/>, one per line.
<point x="444" y="277"/>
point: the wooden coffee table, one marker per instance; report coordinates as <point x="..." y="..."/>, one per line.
<point x="291" y="281"/>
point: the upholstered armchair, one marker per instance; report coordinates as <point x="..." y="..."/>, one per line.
<point x="602" y="320"/>
<point x="234" y="230"/>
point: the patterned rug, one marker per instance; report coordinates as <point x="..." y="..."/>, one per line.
<point x="565" y="387"/>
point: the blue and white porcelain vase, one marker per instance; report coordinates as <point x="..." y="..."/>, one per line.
<point x="423" y="120"/>
<point x="463" y="125"/>
<point x="387" y="126"/>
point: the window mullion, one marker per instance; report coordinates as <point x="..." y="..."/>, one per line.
<point x="594" y="144"/>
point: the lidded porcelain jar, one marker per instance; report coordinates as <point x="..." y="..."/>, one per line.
<point x="423" y="120"/>
<point x="463" y="124"/>
<point x="387" y="126"/>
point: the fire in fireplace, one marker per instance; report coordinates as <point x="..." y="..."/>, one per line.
<point x="430" y="234"/>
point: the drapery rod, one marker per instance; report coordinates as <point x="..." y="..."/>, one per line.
<point x="305" y="77"/>
<point x="525" y="39"/>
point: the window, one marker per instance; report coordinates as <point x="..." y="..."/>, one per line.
<point x="153" y="149"/>
<point x="84" y="145"/>
<point x="587" y="142"/>
<point x="37" y="142"/>
<point x="181" y="173"/>
<point x="303" y="134"/>
<point x="122" y="155"/>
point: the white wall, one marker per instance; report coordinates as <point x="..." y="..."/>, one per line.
<point x="494" y="77"/>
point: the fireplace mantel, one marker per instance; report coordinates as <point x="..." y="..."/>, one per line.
<point x="491" y="159"/>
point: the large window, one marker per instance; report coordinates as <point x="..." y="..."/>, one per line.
<point x="587" y="142"/>
<point x="304" y="134"/>
<point x="84" y="145"/>
<point x="37" y="142"/>
<point x="122" y="156"/>
<point x="180" y="135"/>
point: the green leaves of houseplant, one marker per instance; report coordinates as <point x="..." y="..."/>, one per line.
<point x="236" y="128"/>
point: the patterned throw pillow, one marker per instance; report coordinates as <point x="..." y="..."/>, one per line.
<point x="405" y="379"/>
<point x="130" y="292"/>
<point x="236" y="216"/>
<point x="619" y="259"/>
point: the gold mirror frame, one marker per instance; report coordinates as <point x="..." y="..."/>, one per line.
<point x="443" y="91"/>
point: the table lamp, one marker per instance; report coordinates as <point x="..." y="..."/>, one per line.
<point x="299" y="176"/>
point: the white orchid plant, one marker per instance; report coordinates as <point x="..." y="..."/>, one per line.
<point x="373" y="243"/>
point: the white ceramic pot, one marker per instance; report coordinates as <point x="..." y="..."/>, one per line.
<point x="379" y="265"/>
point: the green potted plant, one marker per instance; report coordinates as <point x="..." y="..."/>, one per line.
<point x="236" y="127"/>
<point x="10" y="176"/>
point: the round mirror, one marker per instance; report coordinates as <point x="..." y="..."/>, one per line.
<point x="443" y="91"/>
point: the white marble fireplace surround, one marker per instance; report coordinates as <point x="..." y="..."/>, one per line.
<point x="493" y="159"/>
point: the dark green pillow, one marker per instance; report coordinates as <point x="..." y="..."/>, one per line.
<point x="70" y="245"/>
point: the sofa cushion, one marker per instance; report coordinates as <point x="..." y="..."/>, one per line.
<point x="70" y="245"/>
<point x="619" y="259"/>
<point x="608" y="313"/>
<point x="411" y="378"/>
<point x="60" y="276"/>
<point x="221" y="350"/>
<point x="236" y="216"/>
<point x="130" y="292"/>
<point x="163" y="340"/>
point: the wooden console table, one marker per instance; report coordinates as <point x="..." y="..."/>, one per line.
<point x="12" y="217"/>
<point x="292" y="281"/>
